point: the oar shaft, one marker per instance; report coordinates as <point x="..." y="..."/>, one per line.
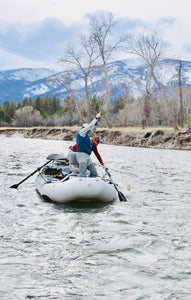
<point x="16" y="185"/>
<point x="120" y="194"/>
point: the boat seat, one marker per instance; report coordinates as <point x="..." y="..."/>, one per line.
<point x="60" y="159"/>
<point x="62" y="162"/>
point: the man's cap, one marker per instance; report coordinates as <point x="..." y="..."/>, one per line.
<point x="85" y="125"/>
<point x="97" y="138"/>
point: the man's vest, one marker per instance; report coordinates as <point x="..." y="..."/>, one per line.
<point x="83" y="143"/>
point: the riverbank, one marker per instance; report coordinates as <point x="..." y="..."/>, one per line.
<point x="161" y="138"/>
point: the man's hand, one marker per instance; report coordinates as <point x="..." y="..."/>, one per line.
<point x="98" y="116"/>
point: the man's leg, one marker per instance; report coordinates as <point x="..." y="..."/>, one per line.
<point x="92" y="169"/>
<point x="82" y="160"/>
<point x="82" y="169"/>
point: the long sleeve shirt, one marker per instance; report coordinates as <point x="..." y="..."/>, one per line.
<point x="92" y="125"/>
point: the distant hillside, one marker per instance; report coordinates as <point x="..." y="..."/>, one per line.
<point x="126" y="76"/>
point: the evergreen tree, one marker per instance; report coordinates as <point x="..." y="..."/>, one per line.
<point x="2" y="116"/>
<point x="25" y="102"/>
<point x="68" y="107"/>
<point x="55" y="105"/>
<point x="7" y="112"/>
<point x="38" y="105"/>
<point x="46" y="107"/>
<point x="118" y="105"/>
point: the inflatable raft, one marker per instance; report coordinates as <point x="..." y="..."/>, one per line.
<point x="59" y="182"/>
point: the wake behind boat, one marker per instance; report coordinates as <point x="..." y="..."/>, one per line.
<point x="58" y="181"/>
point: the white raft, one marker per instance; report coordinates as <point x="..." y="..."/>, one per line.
<point x="66" y="186"/>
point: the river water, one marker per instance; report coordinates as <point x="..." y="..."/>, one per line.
<point x="135" y="250"/>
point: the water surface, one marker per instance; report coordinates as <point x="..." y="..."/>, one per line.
<point x="139" y="249"/>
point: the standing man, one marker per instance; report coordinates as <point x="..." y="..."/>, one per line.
<point x="95" y="142"/>
<point x="84" y="149"/>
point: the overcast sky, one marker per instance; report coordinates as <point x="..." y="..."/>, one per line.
<point x="33" y="33"/>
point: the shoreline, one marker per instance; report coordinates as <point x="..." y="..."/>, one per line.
<point x="150" y="137"/>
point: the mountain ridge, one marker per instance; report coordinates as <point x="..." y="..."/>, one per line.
<point x="125" y="76"/>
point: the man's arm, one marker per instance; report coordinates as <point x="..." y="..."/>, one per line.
<point x="84" y="131"/>
<point x="94" y="149"/>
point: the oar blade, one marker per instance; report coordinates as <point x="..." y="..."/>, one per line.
<point x="14" y="186"/>
<point x="121" y="196"/>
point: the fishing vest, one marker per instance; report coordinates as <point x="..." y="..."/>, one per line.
<point x="83" y="143"/>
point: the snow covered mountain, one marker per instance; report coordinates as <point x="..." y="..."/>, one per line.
<point x="125" y="76"/>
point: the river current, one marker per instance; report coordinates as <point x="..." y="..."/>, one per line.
<point x="134" y="250"/>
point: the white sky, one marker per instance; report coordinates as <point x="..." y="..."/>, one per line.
<point x="29" y="27"/>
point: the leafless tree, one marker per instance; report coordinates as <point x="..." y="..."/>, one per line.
<point x="63" y="79"/>
<point x="180" y="94"/>
<point x="79" y="61"/>
<point x="187" y="106"/>
<point x="25" y="116"/>
<point x="101" y="30"/>
<point x="149" y="48"/>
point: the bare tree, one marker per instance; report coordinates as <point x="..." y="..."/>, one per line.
<point x="63" y="79"/>
<point x="79" y="62"/>
<point x="101" y="30"/>
<point x="149" y="48"/>
<point x="25" y="116"/>
<point x="180" y="94"/>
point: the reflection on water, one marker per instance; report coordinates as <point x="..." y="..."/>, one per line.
<point x="139" y="249"/>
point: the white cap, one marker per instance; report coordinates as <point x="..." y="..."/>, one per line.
<point x="85" y="125"/>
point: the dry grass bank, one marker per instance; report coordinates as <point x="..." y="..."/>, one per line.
<point x="149" y="137"/>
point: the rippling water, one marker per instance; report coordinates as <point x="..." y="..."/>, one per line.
<point x="139" y="249"/>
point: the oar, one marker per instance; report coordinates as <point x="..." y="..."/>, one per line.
<point x="120" y="194"/>
<point x="15" y="186"/>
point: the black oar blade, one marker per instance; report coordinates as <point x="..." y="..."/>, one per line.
<point x="14" y="186"/>
<point x="120" y="194"/>
<point x="121" y="197"/>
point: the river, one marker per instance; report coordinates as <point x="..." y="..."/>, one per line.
<point x="135" y="250"/>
